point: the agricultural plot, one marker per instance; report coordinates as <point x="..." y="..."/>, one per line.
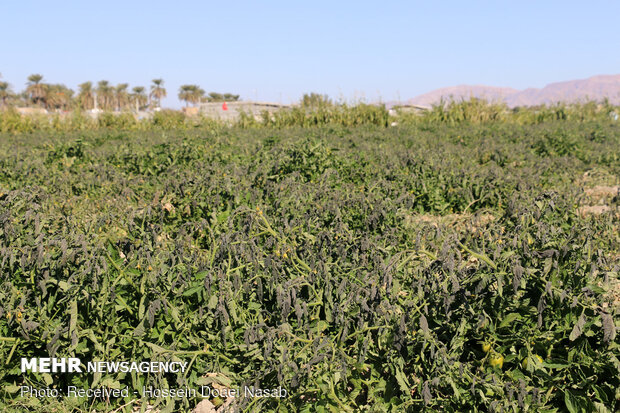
<point x="330" y="268"/>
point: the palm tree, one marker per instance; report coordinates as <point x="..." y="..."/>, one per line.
<point x="197" y="95"/>
<point x="104" y="94"/>
<point x="35" y="89"/>
<point x="138" y="97"/>
<point x="158" y="91"/>
<point x="185" y="93"/>
<point x="86" y="96"/>
<point x="121" y="96"/>
<point x="222" y="97"/>
<point x="4" y="94"/>
<point x="58" y="97"/>
<point x="191" y="94"/>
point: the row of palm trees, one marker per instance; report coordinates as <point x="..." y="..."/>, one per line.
<point x="102" y="96"/>
<point x="105" y="96"/>
<point x="194" y="94"/>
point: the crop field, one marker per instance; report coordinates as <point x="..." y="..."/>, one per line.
<point x="429" y="266"/>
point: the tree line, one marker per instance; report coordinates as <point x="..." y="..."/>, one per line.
<point x="101" y="96"/>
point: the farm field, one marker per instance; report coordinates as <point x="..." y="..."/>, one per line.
<point x="446" y="267"/>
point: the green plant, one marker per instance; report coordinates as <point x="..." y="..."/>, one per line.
<point x="359" y="266"/>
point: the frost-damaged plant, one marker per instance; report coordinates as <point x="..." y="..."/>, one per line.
<point x="360" y="268"/>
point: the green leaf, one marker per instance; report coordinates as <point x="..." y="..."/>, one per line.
<point x="157" y="349"/>
<point x="47" y="378"/>
<point x="96" y="378"/>
<point x="556" y="365"/>
<point x="201" y="275"/>
<point x="578" y="328"/>
<point x="63" y="285"/>
<point x="574" y="403"/>
<point x="11" y="388"/>
<point x="402" y="380"/>
<point x="509" y="319"/>
<point x="601" y="408"/>
<point x="140" y="330"/>
<point x="222" y="216"/>
<point x="212" y="302"/>
<point x="570" y="402"/>
<point x="455" y="389"/>
<point x="193" y="290"/>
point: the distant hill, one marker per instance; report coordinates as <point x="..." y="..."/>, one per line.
<point x="594" y="88"/>
<point x="465" y="92"/>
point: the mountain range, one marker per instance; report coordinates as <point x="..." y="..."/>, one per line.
<point x="594" y="88"/>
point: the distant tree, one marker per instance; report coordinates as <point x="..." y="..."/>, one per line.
<point x="158" y="92"/>
<point x="197" y="95"/>
<point x="215" y="97"/>
<point x="36" y="89"/>
<point x="105" y="95"/>
<point x="121" y="96"/>
<point x="138" y="97"/>
<point x="191" y="94"/>
<point x="86" y="96"/>
<point x="58" y="97"/>
<point x="185" y="94"/>
<point x="315" y="100"/>
<point x="5" y="93"/>
<point x="221" y="97"/>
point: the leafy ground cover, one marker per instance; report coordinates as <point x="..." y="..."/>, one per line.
<point x="425" y="266"/>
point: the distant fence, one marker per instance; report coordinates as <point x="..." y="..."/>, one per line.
<point x="31" y="111"/>
<point x="233" y="110"/>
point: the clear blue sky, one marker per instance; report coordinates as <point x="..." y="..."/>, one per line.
<point x="277" y="50"/>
